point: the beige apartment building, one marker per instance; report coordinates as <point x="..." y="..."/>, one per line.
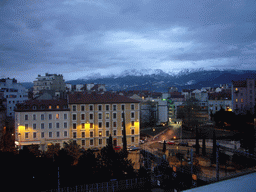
<point x="42" y="122"/>
<point x="86" y="118"/>
<point x="93" y="117"/>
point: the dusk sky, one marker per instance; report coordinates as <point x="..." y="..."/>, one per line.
<point x="78" y="38"/>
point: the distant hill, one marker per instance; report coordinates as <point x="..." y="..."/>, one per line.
<point x="161" y="81"/>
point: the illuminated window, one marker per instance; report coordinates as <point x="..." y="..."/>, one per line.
<point x="236" y="100"/>
<point x="50" y="107"/>
<point x="242" y="100"/>
<point x="100" y="133"/>
<point x="107" y="115"/>
<point x="57" y="107"/>
<point x="57" y="116"/>
<point x="91" y="125"/>
<point x="236" y="89"/>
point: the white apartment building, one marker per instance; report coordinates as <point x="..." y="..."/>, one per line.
<point x="14" y="93"/>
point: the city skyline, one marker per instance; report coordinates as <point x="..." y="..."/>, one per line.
<point x="84" y="37"/>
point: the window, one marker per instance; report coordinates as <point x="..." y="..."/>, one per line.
<point x="57" y="106"/>
<point x="91" y="133"/>
<point x="107" y="115"/>
<point x="34" y="135"/>
<point x="91" y="116"/>
<point x="242" y="100"/>
<point x="50" y="134"/>
<point x="42" y="116"/>
<point x="83" y="134"/>
<point x="74" y="107"/>
<point x="123" y="106"/>
<point x="26" y="126"/>
<point x="34" y="126"/>
<point x="57" y="125"/>
<point x="26" y="135"/>
<point x="50" y="125"/>
<point x="83" y="142"/>
<point x="107" y="124"/>
<point x="100" y="115"/>
<point x="132" y="123"/>
<point x="114" y="115"/>
<point x="132" y="115"/>
<point x="107" y="107"/>
<point x="57" y="116"/>
<point x="107" y="133"/>
<point x="42" y="125"/>
<point x="50" y="117"/>
<point x="65" y="116"/>
<point x="99" y="107"/>
<point x="42" y="134"/>
<point x="114" y="107"/>
<point x="114" y="124"/>
<point x="236" y="100"/>
<point x="82" y="116"/>
<point x="83" y="125"/>
<point x="65" y="125"/>
<point x="91" y="141"/>
<point x="74" y="134"/>
<point x="132" y="139"/>
<point x="82" y="107"/>
<point x="100" y="133"/>
<point x="114" y="133"/>
<point x="57" y="134"/>
<point x="34" y="116"/>
<point x="100" y="141"/>
<point x="91" y="125"/>
<point x="132" y="106"/>
<point x="26" y="117"/>
<point x="132" y="131"/>
<point x="100" y="125"/>
<point x="91" y="107"/>
<point x="74" y="117"/>
<point x="50" y="107"/>
<point x="74" y="125"/>
<point x="65" y="133"/>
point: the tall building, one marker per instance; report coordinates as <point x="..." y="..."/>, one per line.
<point x="50" y="83"/>
<point x="93" y="117"/>
<point x="243" y="95"/>
<point x="14" y="93"/>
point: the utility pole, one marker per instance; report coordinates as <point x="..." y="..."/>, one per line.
<point x="217" y="162"/>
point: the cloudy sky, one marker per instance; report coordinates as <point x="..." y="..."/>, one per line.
<point x="78" y="38"/>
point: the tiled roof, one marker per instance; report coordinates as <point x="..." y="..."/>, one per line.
<point x="94" y="98"/>
<point x="42" y="105"/>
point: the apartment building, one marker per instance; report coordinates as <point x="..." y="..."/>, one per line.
<point x="14" y="93"/>
<point x="51" y="83"/>
<point x="42" y="122"/>
<point x="243" y="96"/>
<point x="93" y="117"/>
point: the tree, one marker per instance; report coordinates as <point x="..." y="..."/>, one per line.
<point x="6" y="141"/>
<point x="164" y="146"/>
<point x="73" y="150"/>
<point x="204" y="146"/>
<point x="214" y="147"/>
<point x="124" y="138"/>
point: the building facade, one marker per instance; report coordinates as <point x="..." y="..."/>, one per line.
<point x="14" y="93"/>
<point x="93" y="117"/>
<point x="51" y="83"/>
<point x="86" y="118"/>
<point x="42" y="122"/>
<point x="243" y="96"/>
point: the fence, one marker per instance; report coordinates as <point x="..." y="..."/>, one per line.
<point x="137" y="183"/>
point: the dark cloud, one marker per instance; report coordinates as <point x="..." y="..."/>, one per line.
<point x="85" y="36"/>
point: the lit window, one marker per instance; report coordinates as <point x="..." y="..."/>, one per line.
<point x="57" y="107"/>
<point x="100" y="133"/>
<point x="242" y="100"/>
<point x="236" y="100"/>
<point x="57" y="116"/>
<point x="50" y="107"/>
<point x="107" y="115"/>
<point x="91" y="125"/>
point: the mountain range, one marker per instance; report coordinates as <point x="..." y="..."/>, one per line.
<point x="160" y="81"/>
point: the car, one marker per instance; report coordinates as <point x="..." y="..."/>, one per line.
<point x="170" y="142"/>
<point x="183" y="143"/>
<point x="161" y="141"/>
<point x="133" y="148"/>
<point x="116" y="148"/>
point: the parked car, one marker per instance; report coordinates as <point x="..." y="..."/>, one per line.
<point x="170" y="142"/>
<point x="133" y="148"/>
<point x="183" y="143"/>
<point x="117" y="148"/>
